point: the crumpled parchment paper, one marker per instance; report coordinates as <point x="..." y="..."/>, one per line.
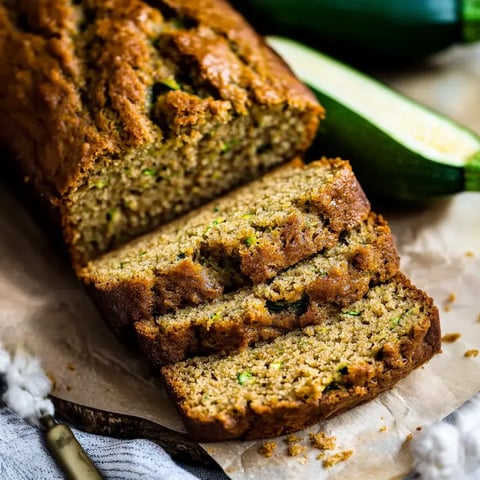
<point x="44" y="309"/>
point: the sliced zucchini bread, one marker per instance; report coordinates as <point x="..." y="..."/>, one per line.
<point x="243" y="238"/>
<point x="122" y="114"/>
<point x="306" y="293"/>
<point x="309" y="374"/>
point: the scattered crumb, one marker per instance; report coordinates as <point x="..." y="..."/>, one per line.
<point x="407" y="440"/>
<point x="295" y="449"/>
<point x="211" y="450"/>
<point x="451" y="298"/>
<point x="469" y="254"/>
<point x="451" y="337"/>
<point x="337" y="458"/>
<point x="293" y="439"/>
<point x="52" y="379"/>
<point x="321" y="441"/>
<point x="471" y="353"/>
<point x="419" y="428"/>
<point x="267" y="449"/>
<point x="68" y="388"/>
<point x="320" y="456"/>
<point x="383" y="428"/>
<point x="71" y="367"/>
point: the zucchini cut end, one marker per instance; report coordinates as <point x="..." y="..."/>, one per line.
<point x="472" y="173"/>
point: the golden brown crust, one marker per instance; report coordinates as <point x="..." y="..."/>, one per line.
<point x="263" y="421"/>
<point x="110" y="302"/>
<point x="77" y="89"/>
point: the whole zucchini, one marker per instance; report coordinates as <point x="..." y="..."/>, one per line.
<point x="390" y="29"/>
<point x="398" y="148"/>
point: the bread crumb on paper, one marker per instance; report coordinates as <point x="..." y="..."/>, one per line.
<point x="52" y="379"/>
<point x="409" y="438"/>
<point x="471" y="353"/>
<point x="322" y="441"/>
<point x="419" y="428"/>
<point x="450" y="299"/>
<point x="267" y="449"/>
<point x="383" y="428"/>
<point x="451" y="337"/>
<point x="295" y="449"/>
<point x="469" y="254"/>
<point x="337" y="458"/>
<point x="293" y="439"/>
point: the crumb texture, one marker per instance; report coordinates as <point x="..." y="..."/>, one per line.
<point x="308" y="374"/>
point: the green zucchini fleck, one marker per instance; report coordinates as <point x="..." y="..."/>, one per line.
<point x="250" y="240"/>
<point x="102" y="183"/>
<point x="244" y="377"/>
<point x="332" y="386"/>
<point x="276" y="365"/>
<point x="171" y="83"/>
<point x="298" y="308"/>
<point x="352" y="313"/>
<point x="149" y="172"/>
<point x="227" y="146"/>
<point x="113" y="214"/>
<point x="395" y="321"/>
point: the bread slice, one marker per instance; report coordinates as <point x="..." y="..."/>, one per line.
<point x="123" y="114"/>
<point x="310" y="374"/>
<point x="295" y="298"/>
<point x="245" y="237"/>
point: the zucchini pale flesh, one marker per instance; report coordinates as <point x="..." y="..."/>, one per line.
<point x="398" y="148"/>
<point x="387" y="28"/>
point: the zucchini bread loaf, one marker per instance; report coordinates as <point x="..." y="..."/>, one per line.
<point x="307" y="293"/>
<point x="122" y="114"/>
<point x="243" y="238"/>
<point x="304" y="376"/>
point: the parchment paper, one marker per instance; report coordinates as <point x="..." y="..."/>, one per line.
<point x="44" y="309"/>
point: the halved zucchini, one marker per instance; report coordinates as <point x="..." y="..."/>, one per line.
<point x="398" y="148"/>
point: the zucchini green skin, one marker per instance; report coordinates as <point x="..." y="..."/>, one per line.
<point x="385" y="154"/>
<point x="390" y="29"/>
<point x="383" y="166"/>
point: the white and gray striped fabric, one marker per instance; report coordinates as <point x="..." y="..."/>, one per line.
<point x="23" y="456"/>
